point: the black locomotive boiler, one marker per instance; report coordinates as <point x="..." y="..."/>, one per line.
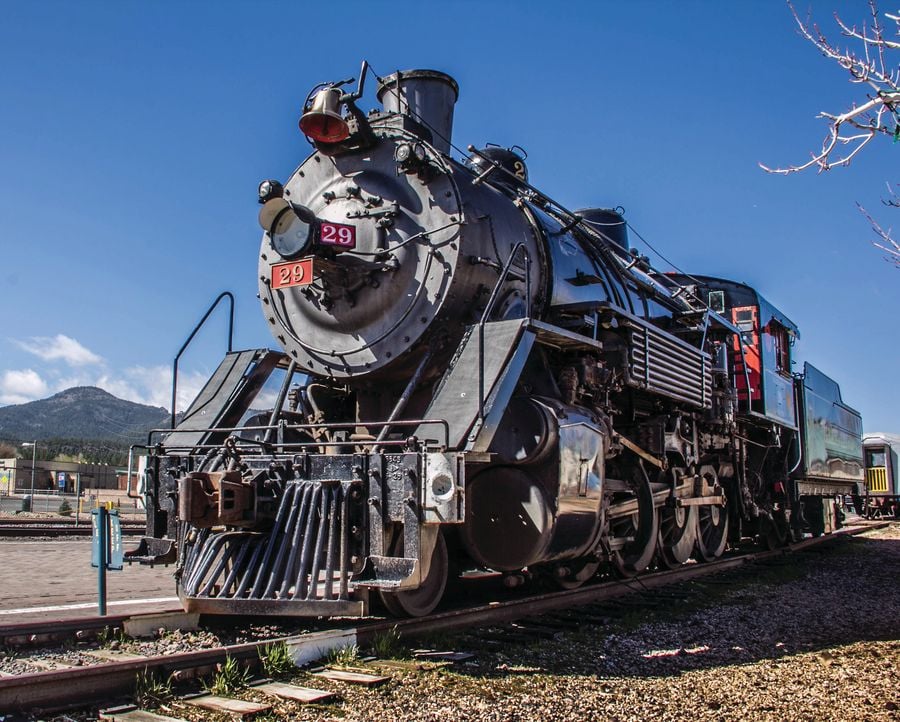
<point x="472" y="377"/>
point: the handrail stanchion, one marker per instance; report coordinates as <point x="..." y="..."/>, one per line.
<point x="520" y="246"/>
<point x="224" y="294"/>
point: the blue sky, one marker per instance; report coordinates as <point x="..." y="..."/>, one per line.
<point x="133" y="136"/>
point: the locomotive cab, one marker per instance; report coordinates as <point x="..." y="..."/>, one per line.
<point x="761" y="355"/>
<point x="800" y="440"/>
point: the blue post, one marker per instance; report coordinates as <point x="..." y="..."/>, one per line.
<point x="106" y="549"/>
<point x="103" y="544"/>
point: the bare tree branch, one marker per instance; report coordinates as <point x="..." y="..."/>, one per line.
<point x="849" y="132"/>
<point x="856" y="142"/>
<point x="879" y="115"/>
<point x="888" y="243"/>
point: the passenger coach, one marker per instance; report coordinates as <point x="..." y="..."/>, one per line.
<point x="882" y="474"/>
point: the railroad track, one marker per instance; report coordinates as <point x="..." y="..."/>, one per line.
<point x="78" y="686"/>
<point x="57" y="631"/>
<point x="55" y="531"/>
<point x="58" y="527"/>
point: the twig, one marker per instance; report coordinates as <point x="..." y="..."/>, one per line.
<point x="869" y="119"/>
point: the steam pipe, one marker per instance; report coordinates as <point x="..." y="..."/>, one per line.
<point x="799" y="431"/>
<point x="404" y="397"/>
<point x="279" y="402"/>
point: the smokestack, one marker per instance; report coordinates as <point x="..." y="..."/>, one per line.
<point x="427" y="96"/>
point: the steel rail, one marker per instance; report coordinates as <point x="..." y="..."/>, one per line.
<point x="82" y="685"/>
<point x="50" y="631"/>
<point x="58" y="689"/>
<point x="53" y="531"/>
<point x="511" y="610"/>
<point x="59" y="521"/>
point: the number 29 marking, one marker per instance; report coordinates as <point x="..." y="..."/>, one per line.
<point x="338" y="234"/>
<point x="295" y="273"/>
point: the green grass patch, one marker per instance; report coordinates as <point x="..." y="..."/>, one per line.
<point x="342" y="656"/>
<point x="228" y="679"/>
<point x="151" y="689"/>
<point x="276" y="659"/>
<point x="388" y="645"/>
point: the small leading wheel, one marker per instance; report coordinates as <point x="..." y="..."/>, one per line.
<point x="712" y="521"/>
<point x="421" y="601"/>
<point x="642" y="527"/>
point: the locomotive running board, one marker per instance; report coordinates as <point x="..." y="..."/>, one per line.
<point x="500" y="358"/>
<point x="225" y="398"/>
<point x="499" y="362"/>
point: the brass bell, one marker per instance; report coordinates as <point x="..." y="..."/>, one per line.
<point x="322" y="122"/>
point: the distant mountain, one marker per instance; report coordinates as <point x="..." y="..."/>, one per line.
<point x="81" y="413"/>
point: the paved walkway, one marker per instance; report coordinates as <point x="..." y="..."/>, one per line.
<point x="55" y="579"/>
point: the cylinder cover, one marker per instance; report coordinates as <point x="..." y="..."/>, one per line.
<point x="509" y="520"/>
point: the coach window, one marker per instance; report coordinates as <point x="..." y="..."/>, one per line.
<point x="876" y="458"/>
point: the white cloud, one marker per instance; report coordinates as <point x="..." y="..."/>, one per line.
<point x="59" y="348"/>
<point x="152" y="385"/>
<point x="19" y="387"/>
<point x="265" y="399"/>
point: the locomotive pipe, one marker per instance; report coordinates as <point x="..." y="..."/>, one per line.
<point x="279" y="402"/>
<point x="798" y="437"/>
<point x="571" y="224"/>
<point x="404" y="397"/>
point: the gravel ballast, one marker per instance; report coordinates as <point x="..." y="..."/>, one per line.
<point x="817" y="638"/>
<point x="815" y="635"/>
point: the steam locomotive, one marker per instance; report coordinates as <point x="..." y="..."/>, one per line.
<point x="473" y="377"/>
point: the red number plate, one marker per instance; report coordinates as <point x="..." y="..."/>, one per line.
<point x="295" y="273"/>
<point x="338" y="234"/>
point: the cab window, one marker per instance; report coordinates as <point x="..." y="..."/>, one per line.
<point x="782" y="349"/>
<point x="777" y="348"/>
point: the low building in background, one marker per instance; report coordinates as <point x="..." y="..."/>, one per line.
<point x="60" y="477"/>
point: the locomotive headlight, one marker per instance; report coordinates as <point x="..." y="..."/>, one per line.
<point x="291" y="227"/>
<point x="270" y="189"/>
<point x="410" y="156"/>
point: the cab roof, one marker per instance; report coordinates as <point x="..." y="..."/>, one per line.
<point x="740" y="294"/>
